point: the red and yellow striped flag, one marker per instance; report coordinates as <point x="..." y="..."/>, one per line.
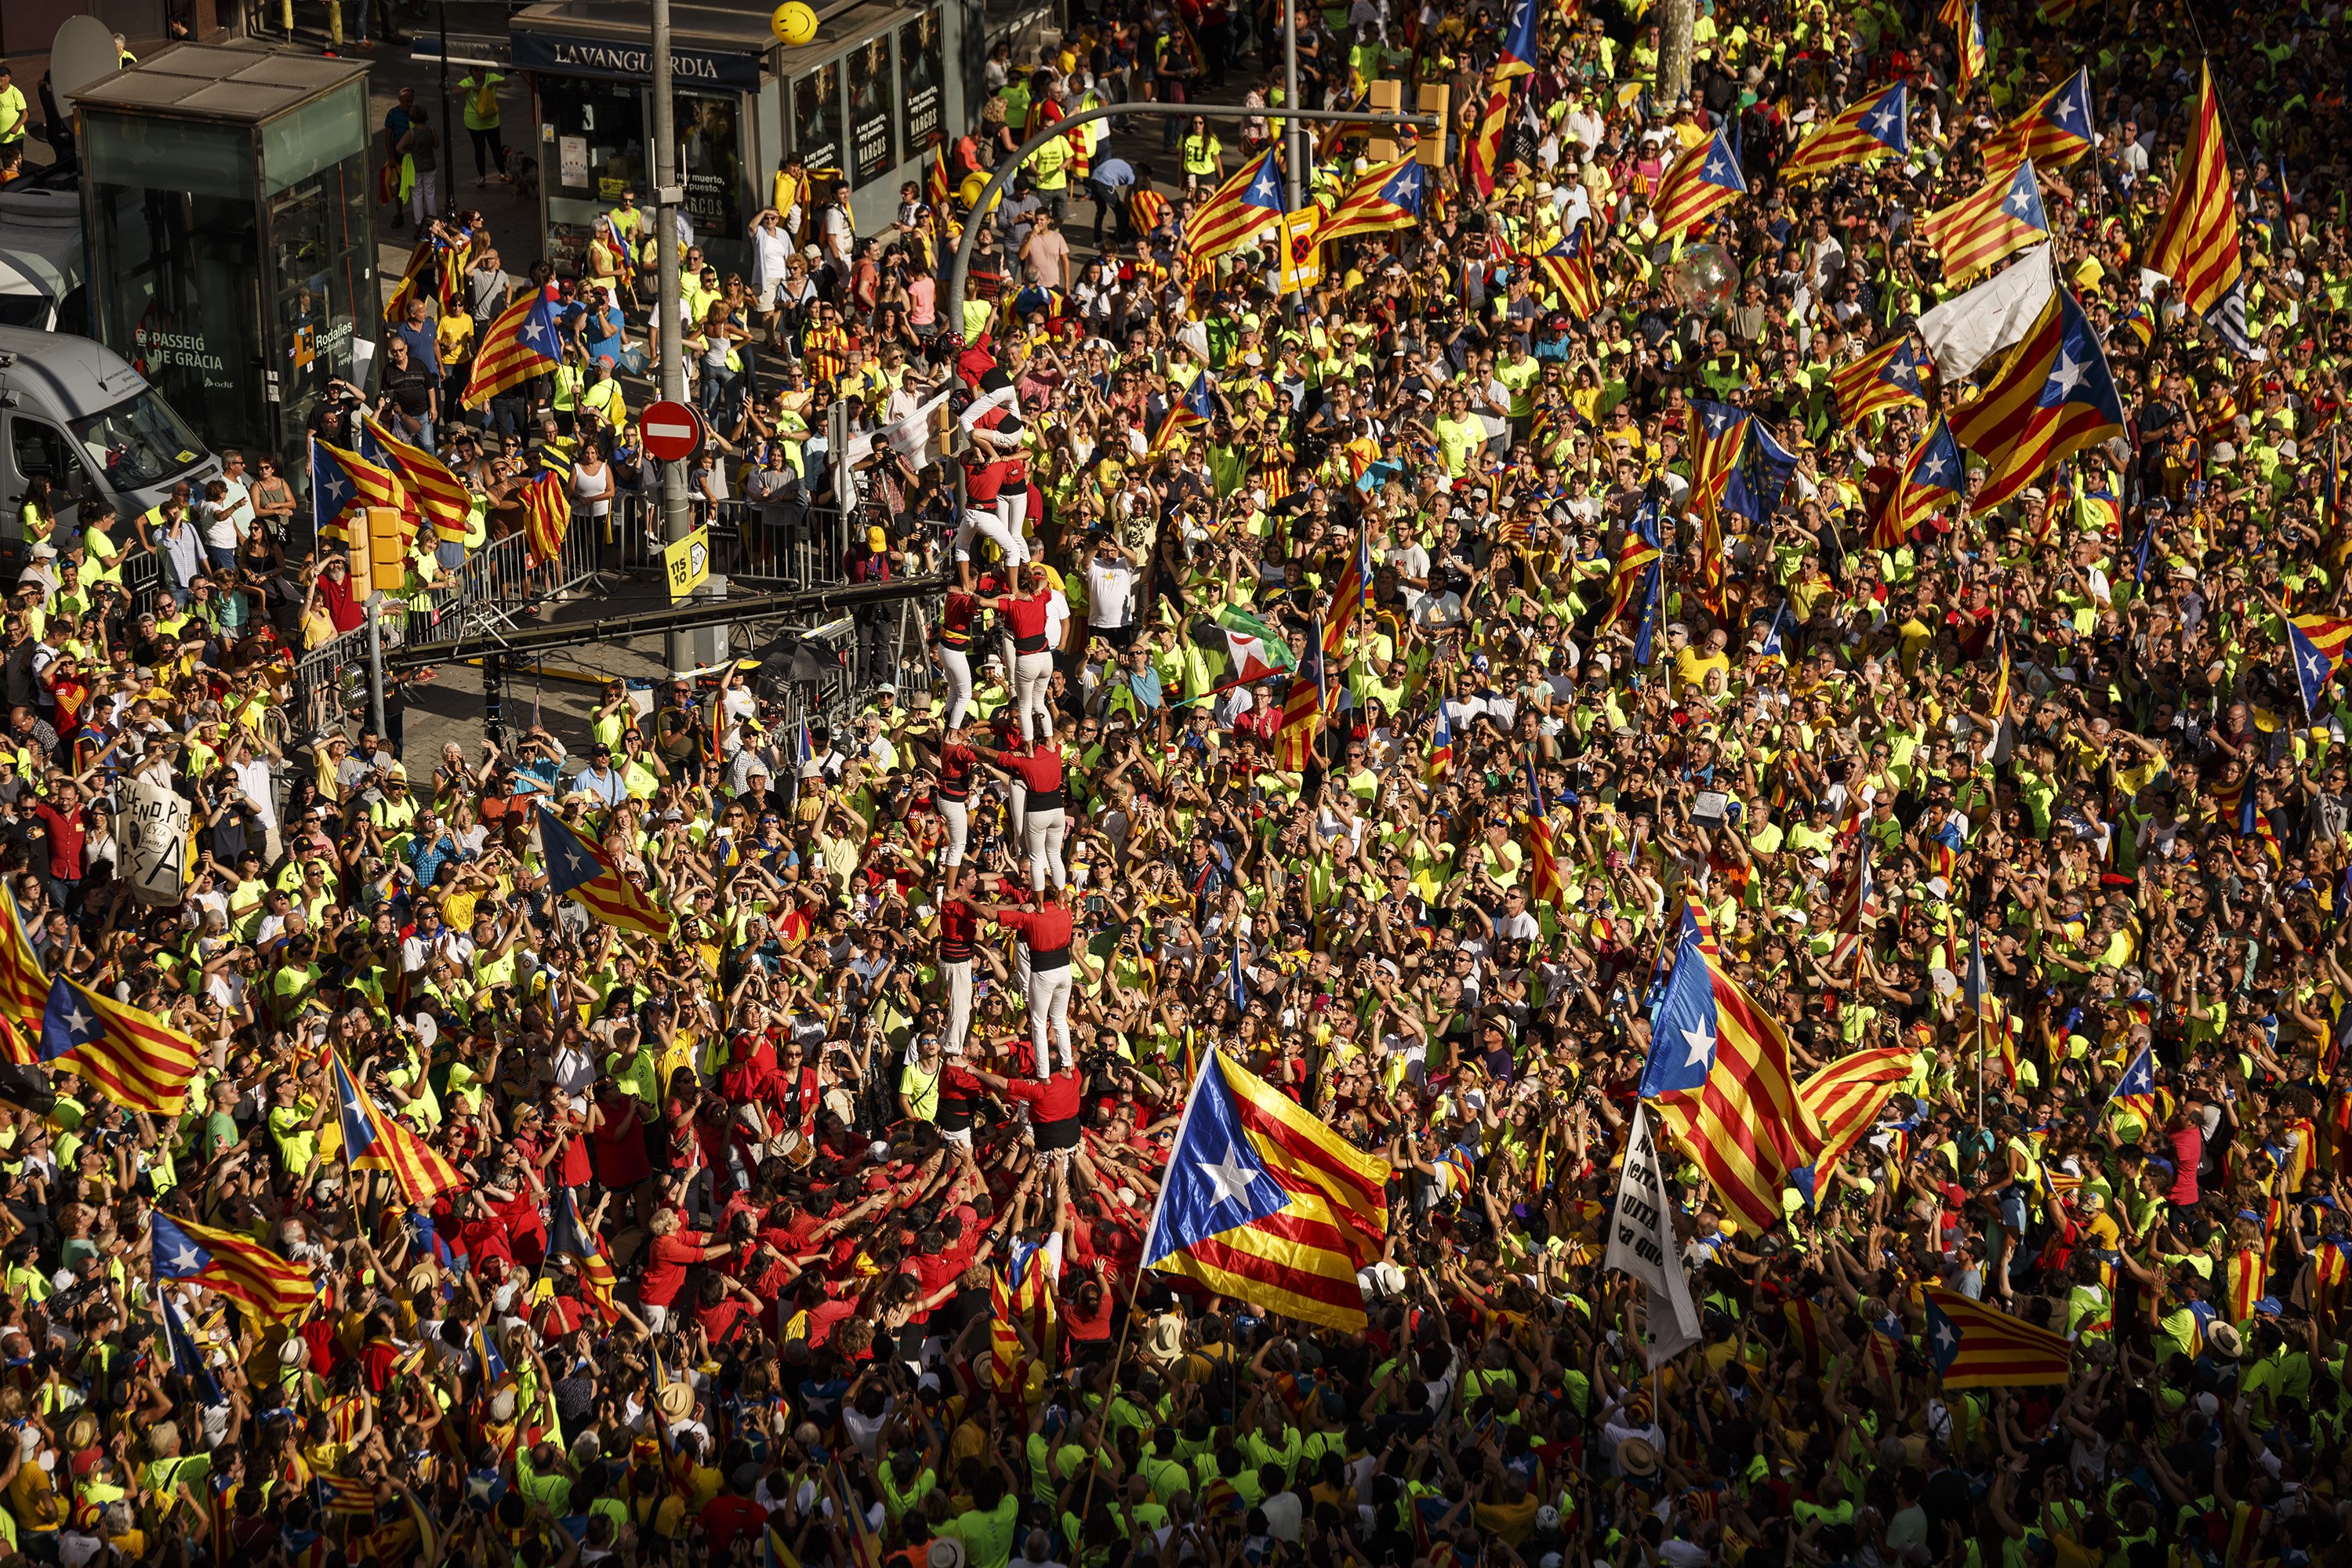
<point x="375" y="1142"/>
<point x="1886" y="377"/>
<point x="1264" y="1203"/>
<point x="2054" y="397"/>
<point x="578" y="868"/>
<point x="23" y="983"/>
<point x="2199" y="247"/>
<point x="2001" y="217"/>
<point x="547" y="515"/>
<point x="238" y="1267"/>
<point x="440" y="495"/>
<point x="1700" y="183"/>
<point x="1846" y="1097"/>
<point x="1975" y="1346"/>
<point x="131" y="1057"/>
<point x="521" y="343"/>
<point x="1878" y="123"/>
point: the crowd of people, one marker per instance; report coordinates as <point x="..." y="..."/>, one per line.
<point x="1348" y="684"/>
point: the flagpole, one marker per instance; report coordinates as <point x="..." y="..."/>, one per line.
<point x="1977" y="942"/>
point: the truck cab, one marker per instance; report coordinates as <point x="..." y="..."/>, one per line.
<point x="78" y="414"/>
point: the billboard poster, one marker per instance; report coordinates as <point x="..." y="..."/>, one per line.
<point x="922" y="78"/>
<point x="872" y="109"/>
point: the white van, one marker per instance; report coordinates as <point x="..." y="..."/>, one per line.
<point x="77" y="413"/>
<point x="42" y="284"/>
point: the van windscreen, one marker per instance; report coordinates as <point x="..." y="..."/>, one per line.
<point x="139" y="443"/>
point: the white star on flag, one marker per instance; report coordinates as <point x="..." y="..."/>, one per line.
<point x="2069" y="373"/>
<point x="538" y="328"/>
<point x="1229" y="1176"/>
<point x="188" y="1259"/>
<point x="1934" y="469"/>
<point x="1717" y="423"/>
<point x="1701" y="1046"/>
<point x="77" y="1022"/>
<point x="1944" y="1337"/>
<point x="1882" y="120"/>
<point x="1714" y="170"/>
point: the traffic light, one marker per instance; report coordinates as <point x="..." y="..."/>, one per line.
<point x="1430" y="151"/>
<point x="386" y="563"/>
<point x="1387" y="98"/>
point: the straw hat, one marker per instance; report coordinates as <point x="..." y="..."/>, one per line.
<point x="1635" y="1456"/>
<point x="675" y="1400"/>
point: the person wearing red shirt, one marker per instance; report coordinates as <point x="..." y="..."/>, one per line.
<point x="988" y="484"/>
<point x="958" y="762"/>
<point x="1026" y="613"/>
<point x="673" y="1250"/>
<point x="958" y="625"/>
<point x="1046" y="932"/>
<point x="1055" y="1122"/>
<point x="733" y="1515"/>
<point x="63" y="824"/>
<point x="1043" y="820"/>
<point x="958" y="941"/>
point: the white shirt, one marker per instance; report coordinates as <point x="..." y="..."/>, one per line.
<point x="1110" y="593"/>
<point x="252" y="778"/>
<point x="772" y="254"/>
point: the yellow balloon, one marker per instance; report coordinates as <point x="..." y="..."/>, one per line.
<point x="794" y="24"/>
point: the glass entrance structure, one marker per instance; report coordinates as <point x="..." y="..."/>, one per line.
<point x="226" y="197"/>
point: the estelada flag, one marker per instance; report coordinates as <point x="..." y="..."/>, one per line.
<point x="130" y="1056"/>
<point x="1845" y="1100"/>
<point x="1719" y="1076"/>
<point x="1886" y="377"/>
<point x="1239" y="212"/>
<point x="376" y="1142"/>
<point x="2054" y="397"/>
<point x="579" y="869"/>
<point x="1700" y="183"/>
<point x="1931" y="479"/>
<point x="2001" y="216"/>
<point x="1975" y="1346"/>
<point x="23" y="983"/>
<point x="2052" y="134"/>
<point x="521" y="343"/>
<point x="240" y="1268"/>
<point x="1388" y="197"/>
<point x="1264" y="1203"/>
<point x="439" y="494"/>
<point x="1878" y="123"/>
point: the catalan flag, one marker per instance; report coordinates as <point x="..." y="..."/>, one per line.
<point x="343" y="485"/>
<point x="242" y="1270"/>
<point x="1264" y="1203"/>
<point x="547" y="515"/>
<point x="1351" y="595"/>
<point x="519" y="343"/>
<point x="2058" y="12"/>
<point x="1389" y="197"/>
<point x="1715" y="452"/>
<point x="2054" y="396"/>
<point x="937" y="189"/>
<point x="578" y="868"/>
<point x="2317" y="643"/>
<point x="1440" y="760"/>
<point x="376" y="1142"/>
<point x="1718" y="1073"/>
<point x="1931" y="479"/>
<point x="1880" y="122"/>
<point x="1635" y="552"/>
<point x="2001" y="217"/>
<point x="1482" y="152"/>
<point x="345" y="1495"/>
<point x="2135" y="1092"/>
<point x="23" y="983"/>
<point x="1568" y="271"/>
<point x="439" y="496"/>
<point x="434" y="271"/>
<point x="1999" y="709"/>
<point x="133" y="1057"/>
<point x="1302" y="710"/>
<point x="1240" y="210"/>
<point x="1975" y="1346"/>
<point x="1844" y="1099"/>
<point x="1193" y="411"/>
<point x="568" y="1236"/>
<point x="1700" y="183"/>
<point x="2199" y="247"/>
<point x="1545" y="882"/>
<point x="2055" y="132"/>
<point x="1969" y="44"/>
<point x="1029" y="1269"/>
<point x="1886" y="377"/>
<point x="1519" y="56"/>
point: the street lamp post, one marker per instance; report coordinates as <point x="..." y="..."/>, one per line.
<point x="668" y="193"/>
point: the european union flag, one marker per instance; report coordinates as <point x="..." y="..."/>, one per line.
<point x="1761" y="474"/>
